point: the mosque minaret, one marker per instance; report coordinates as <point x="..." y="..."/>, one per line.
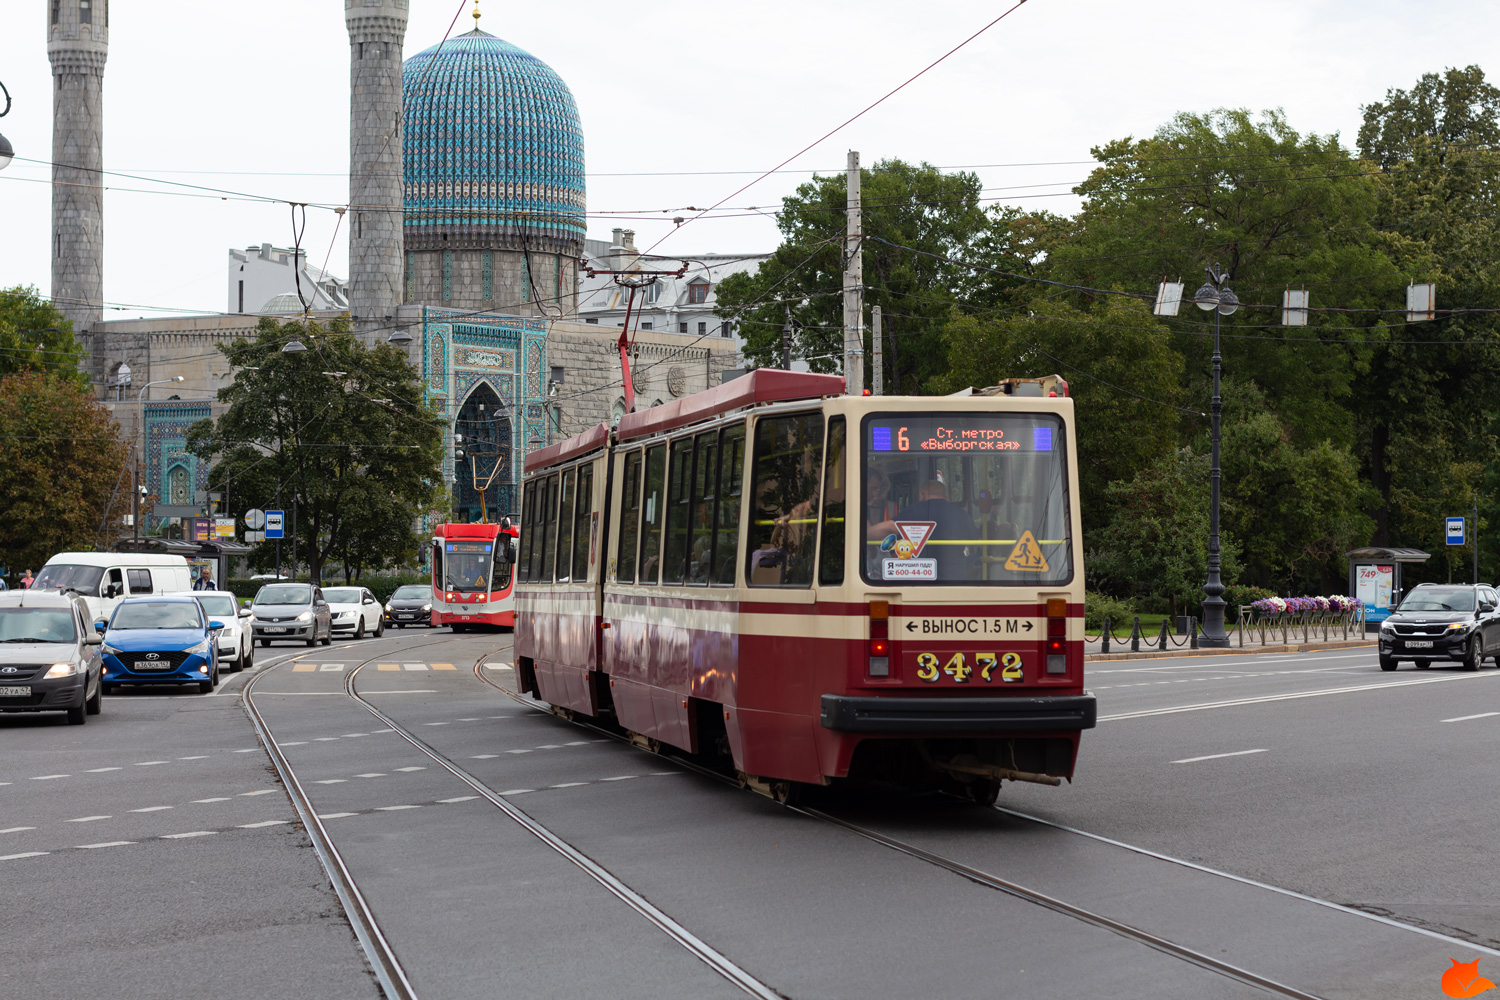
<point x="77" y="46"/>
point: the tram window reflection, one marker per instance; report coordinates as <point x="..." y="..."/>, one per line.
<point x="630" y="518"/>
<point x="652" y="513"/>
<point x="701" y="526"/>
<point x="546" y="546"/>
<point x="565" y="527"/>
<point x="582" y="524"/>
<point x="731" y="497"/>
<point x="679" y="510"/>
<point x="787" y="474"/>
<point x="831" y="545"/>
<point x="528" y="532"/>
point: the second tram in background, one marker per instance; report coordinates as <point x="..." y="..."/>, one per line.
<point x="813" y="586"/>
<point x="472" y="583"/>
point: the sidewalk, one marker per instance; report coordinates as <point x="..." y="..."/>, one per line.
<point x="1317" y="646"/>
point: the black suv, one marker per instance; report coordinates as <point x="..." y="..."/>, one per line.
<point x="1443" y="622"/>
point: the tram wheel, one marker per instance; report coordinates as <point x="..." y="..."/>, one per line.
<point x="982" y="793"/>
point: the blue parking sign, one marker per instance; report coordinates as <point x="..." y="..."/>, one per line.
<point x="1456" y="531"/>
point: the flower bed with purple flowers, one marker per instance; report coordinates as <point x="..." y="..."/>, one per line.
<point x="1271" y="607"/>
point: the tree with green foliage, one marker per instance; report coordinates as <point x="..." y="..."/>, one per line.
<point x="34" y="336"/>
<point x="339" y="431"/>
<point x="63" y="473"/>
<point x="914" y="218"/>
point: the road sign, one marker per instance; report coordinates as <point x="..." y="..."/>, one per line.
<point x="255" y="519"/>
<point x="254" y="536"/>
<point x="224" y="527"/>
<point x="274" y="521"/>
<point x="1455" y="531"/>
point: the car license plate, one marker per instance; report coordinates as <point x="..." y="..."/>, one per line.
<point x="150" y="665"/>
<point x="15" y="692"/>
<point x="1419" y="644"/>
<point x="406" y="617"/>
<point x="275" y="629"/>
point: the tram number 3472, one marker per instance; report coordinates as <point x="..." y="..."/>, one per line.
<point x="930" y="667"/>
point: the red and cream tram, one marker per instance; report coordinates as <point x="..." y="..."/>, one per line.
<point x="817" y="584"/>
<point x="472" y="582"/>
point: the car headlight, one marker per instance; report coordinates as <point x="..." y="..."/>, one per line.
<point x="62" y="670"/>
<point x="201" y="649"/>
<point x="305" y="616"/>
<point x="427" y="607"/>
<point x="1387" y="626"/>
<point x="1460" y="626"/>
<point x="388" y="607"/>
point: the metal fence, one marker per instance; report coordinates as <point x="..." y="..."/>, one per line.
<point x="1248" y="630"/>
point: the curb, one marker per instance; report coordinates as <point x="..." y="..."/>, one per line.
<point x="1292" y="647"/>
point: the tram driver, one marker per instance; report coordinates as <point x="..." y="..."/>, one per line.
<point x="952" y="524"/>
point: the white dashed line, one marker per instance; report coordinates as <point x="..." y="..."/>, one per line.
<point x="1466" y="718"/>
<point x="578" y="743"/>
<point x="325" y="739"/>
<point x="199" y="757"/>
<point x="299" y="743"/>
<point x="28" y="854"/>
<point x="468" y="720"/>
<point x="49" y="777"/>
<point x="269" y="822"/>
<point x="251" y="750"/>
<point x="411" y="768"/>
<point x="17" y="829"/>
<point x="150" y="809"/>
<point x="623" y="777"/>
<point x="497" y="666"/>
<point x="665" y="774"/>
<point x="222" y="798"/>
<point x="372" y="774"/>
<point x="550" y="746"/>
<point x="382" y="731"/>
<point x="1216" y="756"/>
<point x="569" y="784"/>
<point x="331" y="781"/>
<point x="518" y="751"/>
<point x="413" y="666"/>
<point x="484" y="756"/>
<point x="333" y="667"/>
<point x="350" y="736"/>
<point x="107" y="843"/>
<point x="516" y="791"/>
<point x="461" y="798"/>
<point x="335" y="815"/>
<point x="150" y="763"/>
<point x="263" y="791"/>
<point x="184" y="836"/>
<point x="394" y="808"/>
<point x="88" y="819"/>
<point x="434" y="723"/>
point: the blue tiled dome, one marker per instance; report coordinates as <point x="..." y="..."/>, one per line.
<point x="493" y="150"/>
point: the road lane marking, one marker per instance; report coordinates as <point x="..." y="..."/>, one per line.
<point x="434" y="723"/>
<point x="49" y="777"/>
<point x="150" y="809"/>
<point x="469" y="720"/>
<point x="222" y="798"/>
<point x="304" y="668"/>
<point x="28" y="854"/>
<point x="331" y="781"/>
<point x="405" y="691"/>
<point x="268" y="822"/>
<point x="394" y="808"/>
<point x="324" y="739"/>
<point x="107" y="843"/>
<point x="387" y="666"/>
<point x="151" y="763"/>
<point x="295" y="743"/>
<point x="199" y="757"/>
<point x="570" y="784"/>
<point x="518" y="751"/>
<point x="88" y="819"/>
<point x="372" y="774"/>
<point x="413" y="666"/>
<point x="411" y="768"/>
<point x="184" y="836"/>
<point x="17" y="829"/>
<point x="484" y="756"/>
<point x="1292" y="696"/>
<point x="263" y="791"/>
<point x="1245" y="666"/>
<point x="350" y="736"/>
<point x="1216" y="756"/>
<point x="330" y="667"/>
<point x="443" y="666"/>
<point x="461" y="798"/>
<point x="497" y="666"/>
<point x="248" y="749"/>
<point x="1466" y="718"/>
<point x="623" y="777"/>
<point x="516" y="791"/>
<point x="101" y="770"/>
<point x="380" y="730"/>
<point x="335" y="815"/>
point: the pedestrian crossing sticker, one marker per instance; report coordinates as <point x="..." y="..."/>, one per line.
<point x="1027" y="556"/>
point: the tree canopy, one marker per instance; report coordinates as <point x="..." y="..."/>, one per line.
<point x="34" y="336"/>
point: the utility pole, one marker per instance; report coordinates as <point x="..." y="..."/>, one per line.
<point x="877" y="358"/>
<point x="1476" y="539"/>
<point x="854" y="291"/>
<point x="786" y="341"/>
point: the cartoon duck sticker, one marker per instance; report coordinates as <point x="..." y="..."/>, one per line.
<point x="898" y="548"/>
<point x="1464" y="980"/>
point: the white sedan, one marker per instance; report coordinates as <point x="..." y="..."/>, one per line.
<point x="236" y="644"/>
<point x="355" y="609"/>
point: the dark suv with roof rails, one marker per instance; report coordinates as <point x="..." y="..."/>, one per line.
<point x="1443" y="621"/>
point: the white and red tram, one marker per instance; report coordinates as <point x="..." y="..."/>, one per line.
<point x="817" y="584"/>
<point x="472" y="579"/>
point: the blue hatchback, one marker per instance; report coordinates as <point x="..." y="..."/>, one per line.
<point x="160" y="640"/>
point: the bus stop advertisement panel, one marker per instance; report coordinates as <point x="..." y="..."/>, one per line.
<point x="1375" y="578"/>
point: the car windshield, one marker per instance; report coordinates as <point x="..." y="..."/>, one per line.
<point x="157" y="614"/>
<point x="84" y="579"/>
<point x="299" y="593"/>
<point x="218" y="606"/>
<point x="342" y="595"/>
<point x="1439" y="600"/>
<point x="972" y="498"/>
<point x="411" y="592"/>
<point x="37" y="625"/>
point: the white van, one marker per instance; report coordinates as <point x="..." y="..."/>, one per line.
<point x="103" y="579"/>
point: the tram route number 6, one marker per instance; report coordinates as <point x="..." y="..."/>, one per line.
<point x="958" y="667"/>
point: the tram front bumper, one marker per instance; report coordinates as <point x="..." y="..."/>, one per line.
<point x="959" y="716"/>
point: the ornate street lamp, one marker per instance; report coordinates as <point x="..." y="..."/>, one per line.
<point x="1213" y="297"/>
<point x="7" y="151"/>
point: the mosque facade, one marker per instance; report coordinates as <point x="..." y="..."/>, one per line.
<point x="466" y="225"/>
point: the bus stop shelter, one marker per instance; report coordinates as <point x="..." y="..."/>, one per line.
<point x="214" y="553"/>
<point x="1375" y="578"/>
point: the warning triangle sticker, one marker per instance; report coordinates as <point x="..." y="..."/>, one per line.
<point x="1027" y="556"/>
<point x="916" y="532"/>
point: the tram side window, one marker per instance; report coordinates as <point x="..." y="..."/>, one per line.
<point x="630" y="518"/>
<point x="730" y="495"/>
<point x="784" y="487"/>
<point x="583" y="524"/>
<point x="528" y="531"/>
<point x="653" y="513"/>
<point x="541" y="570"/>
<point x="700" y="543"/>
<point x="565" y="526"/>
<point x="831" y="544"/>
<point x="679" y="511"/>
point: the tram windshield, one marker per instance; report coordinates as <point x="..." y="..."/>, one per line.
<point x="966" y="498"/>
<point x="471" y="566"/>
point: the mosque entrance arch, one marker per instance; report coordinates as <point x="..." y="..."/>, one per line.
<point x="484" y="422"/>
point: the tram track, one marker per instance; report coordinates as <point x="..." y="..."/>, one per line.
<point x="388" y="966"/>
<point x="1016" y="890"/>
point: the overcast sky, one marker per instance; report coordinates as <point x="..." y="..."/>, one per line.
<point x="253" y="98"/>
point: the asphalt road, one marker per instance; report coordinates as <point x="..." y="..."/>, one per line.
<point x="1214" y="790"/>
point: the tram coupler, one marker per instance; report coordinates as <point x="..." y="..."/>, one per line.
<point x="997" y="772"/>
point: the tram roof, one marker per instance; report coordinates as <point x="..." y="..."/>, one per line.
<point x="578" y="444"/>
<point x="763" y="385"/>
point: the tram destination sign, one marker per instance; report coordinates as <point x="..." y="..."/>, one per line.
<point x="985" y="433"/>
<point x="933" y="627"/>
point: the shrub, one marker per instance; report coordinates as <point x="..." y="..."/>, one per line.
<point x="1242" y="595"/>
<point x="1097" y="607"/>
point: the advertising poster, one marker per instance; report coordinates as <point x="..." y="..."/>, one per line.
<point x="1373" y="585"/>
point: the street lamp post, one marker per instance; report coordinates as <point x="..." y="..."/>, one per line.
<point x="137" y="488"/>
<point x="1214" y="297"/>
<point x="7" y="151"/>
